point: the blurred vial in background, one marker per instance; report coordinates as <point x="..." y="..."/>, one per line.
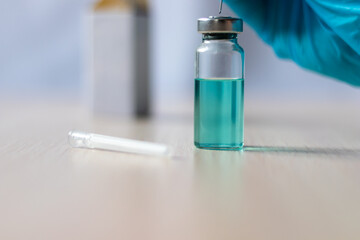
<point x="120" y="69"/>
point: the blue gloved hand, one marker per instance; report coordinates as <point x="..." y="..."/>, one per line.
<point x="320" y="35"/>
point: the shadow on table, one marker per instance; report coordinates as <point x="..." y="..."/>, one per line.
<point x="305" y="150"/>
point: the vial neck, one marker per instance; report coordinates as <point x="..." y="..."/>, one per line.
<point x="220" y="36"/>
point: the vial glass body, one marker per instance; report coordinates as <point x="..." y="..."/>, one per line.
<point x="219" y="93"/>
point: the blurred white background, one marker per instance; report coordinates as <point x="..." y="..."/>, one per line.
<point x="42" y="47"/>
<point x="44" y="51"/>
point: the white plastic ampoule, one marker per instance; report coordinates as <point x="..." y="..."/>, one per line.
<point x="96" y="141"/>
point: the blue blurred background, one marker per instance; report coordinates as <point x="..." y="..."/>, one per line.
<point x="46" y="52"/>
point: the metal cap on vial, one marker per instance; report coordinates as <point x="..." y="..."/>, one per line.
<point x="220" y="25"/>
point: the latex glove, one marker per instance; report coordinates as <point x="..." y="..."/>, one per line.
<point x="320" y="35"/>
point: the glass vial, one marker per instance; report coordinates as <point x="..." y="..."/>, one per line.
<point x="219" y="85"/>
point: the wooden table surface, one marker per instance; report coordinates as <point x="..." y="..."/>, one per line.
<point x="298" y="178"/>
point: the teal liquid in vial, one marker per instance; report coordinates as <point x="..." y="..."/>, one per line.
<point x="219" y="113"/>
